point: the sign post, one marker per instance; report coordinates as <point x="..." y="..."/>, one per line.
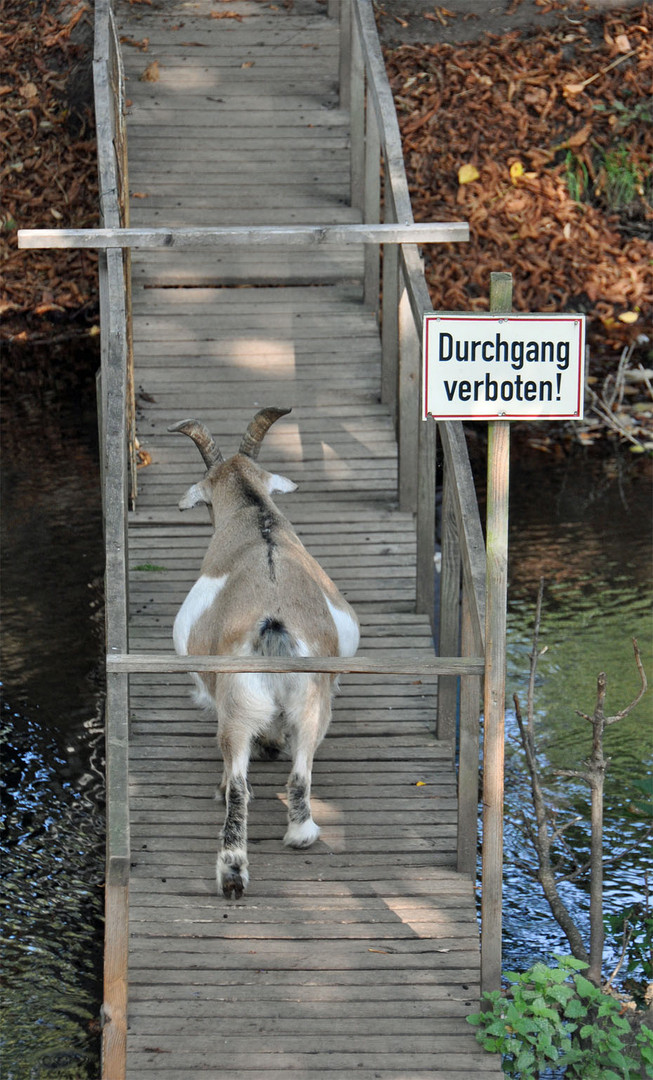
<point x="499" y="367"/>
<point x="496" y="595"/>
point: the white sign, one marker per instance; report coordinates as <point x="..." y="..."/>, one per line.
<point x="512" y="367"/>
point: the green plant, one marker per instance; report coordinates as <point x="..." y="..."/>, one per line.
<point x="620" y="178"/>
<point x="150" y="568"/>
<point x="627" y="113"/>
<point x="553" y="1018"/>
<point x="576" y="175"/>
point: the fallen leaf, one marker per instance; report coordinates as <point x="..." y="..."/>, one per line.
<point x="151" y="73"/>
<point x="622" y="43"/>
<point x="28" y="90"/>
<point x="516" y="170"/>
<point x="467" y="174"/>
<point x="580" y="138"/>
<point x="628" y="317"/>
<point x="248" y="64"/>
<point x="143" y="44"/>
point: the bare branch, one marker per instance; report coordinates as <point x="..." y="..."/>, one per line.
<point x="642" y="690"/>
<point x="557" y="833"/>
<point x="628" y="933"/>
<point x="574" y="773"/>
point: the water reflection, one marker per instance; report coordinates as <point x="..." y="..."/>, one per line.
<point x="587" y="529"/>
<point x="51" y="732"/>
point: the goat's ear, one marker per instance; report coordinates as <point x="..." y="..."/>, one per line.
<point x="279" y="484"/>
<point x="198" y="493"/>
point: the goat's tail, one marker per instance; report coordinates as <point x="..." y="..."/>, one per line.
<point x="274" y="639"/>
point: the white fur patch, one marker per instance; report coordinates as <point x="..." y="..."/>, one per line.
<point x="198" y="493"/>
<point x="347" y="629"/>
<point x="303" y="835"/>
<point x="280" y="484"/>
<point x="200" y="597"/>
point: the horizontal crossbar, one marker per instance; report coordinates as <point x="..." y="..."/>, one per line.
<point x="253" y="235"/>
<point x="167" y="663"/>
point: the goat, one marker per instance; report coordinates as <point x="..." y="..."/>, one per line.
<point x="259" y="593"/>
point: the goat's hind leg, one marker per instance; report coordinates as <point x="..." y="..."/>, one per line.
<point x="308" y="727"/>
<point x="231" y="871"/>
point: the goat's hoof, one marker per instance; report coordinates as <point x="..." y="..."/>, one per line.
<point x="301" y="835"/>
<point x="233" y="879"/>
<point x="233" y="886"/>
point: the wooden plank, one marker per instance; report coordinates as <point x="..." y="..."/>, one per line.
<point x="254" y="235"/>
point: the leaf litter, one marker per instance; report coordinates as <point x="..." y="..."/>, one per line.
<point x="522" y="112"/>
<point x="516" y="134"/>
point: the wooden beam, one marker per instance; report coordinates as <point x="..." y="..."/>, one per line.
<point x="498" y="471"/>
<point x="307" y="236"/>
<point x="170" y="663"/>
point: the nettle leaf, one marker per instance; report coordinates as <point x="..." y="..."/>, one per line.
<point x="575" y="1009"/>
<point x="524" y="1060"/>
<point x="497" y="1028"/>
<point x="585" y="988"/>
<point x="570" y="962"/>
<point x="561" y="993"/>
<point x="620" y="1022"/>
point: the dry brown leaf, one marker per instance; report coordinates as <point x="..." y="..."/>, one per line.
<point x="151" y="73"/>
<point x="142" y="45"/>
<point x="580" y="137"/>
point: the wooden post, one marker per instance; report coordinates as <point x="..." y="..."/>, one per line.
<point x="495" y="674"/>
<point x="344" y="56"/>
<point x="357" y="119"/>
<point x="372" y="202"/>
<point x="425" y="518"/>
<point x="468" y="749"/>
<point x="408" y="403"/>
<point x="449" y="635"/>
<point x="390" y="308"/>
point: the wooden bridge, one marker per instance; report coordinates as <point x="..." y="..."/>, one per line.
<point x="253" y="142"/>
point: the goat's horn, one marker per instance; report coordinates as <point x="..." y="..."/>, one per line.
<point x="203" y="440"/>
<point x="251" y="441"/>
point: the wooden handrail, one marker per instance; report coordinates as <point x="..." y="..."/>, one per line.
<point x="405" y="300"/>
<point x="245" y="235"/>
<point x="168" y="662"/>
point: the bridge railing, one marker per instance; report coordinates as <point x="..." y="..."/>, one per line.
<point x="377" y="152"/>
<point x="117" y="441"/>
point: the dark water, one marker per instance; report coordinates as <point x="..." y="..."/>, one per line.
<point x="585" y="527"/>
<point x="52" y="738"/>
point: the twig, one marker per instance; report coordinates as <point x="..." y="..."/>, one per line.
<point x="577" y="87"/>
<point x="642" y="690"/>
<point x="628" y="933"/>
